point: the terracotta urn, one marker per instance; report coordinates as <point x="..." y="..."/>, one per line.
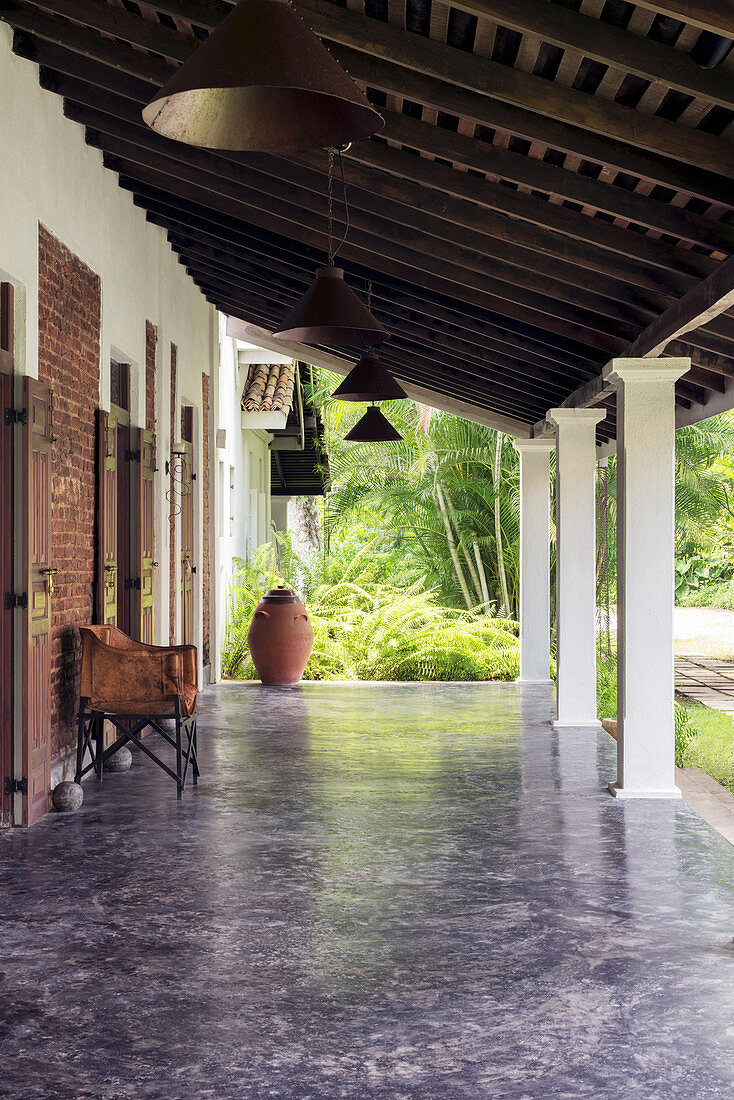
<point x="280" y="637"/>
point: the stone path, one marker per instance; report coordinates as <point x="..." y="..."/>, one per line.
<point x="706" y="680"/>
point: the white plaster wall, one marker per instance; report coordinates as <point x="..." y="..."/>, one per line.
<point x="242" y="522"/>
<point x="49" y="174"/>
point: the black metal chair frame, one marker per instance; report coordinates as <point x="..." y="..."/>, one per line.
<point x="90" y="735"/>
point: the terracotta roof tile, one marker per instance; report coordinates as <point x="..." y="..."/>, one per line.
<point x="269" y="388"/>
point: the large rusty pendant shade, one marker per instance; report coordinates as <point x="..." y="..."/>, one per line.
<point x="368" y="380"/>
<point x="262" y="82"/>
<point x="374" y="427"/>
<point x="331" y="313"/>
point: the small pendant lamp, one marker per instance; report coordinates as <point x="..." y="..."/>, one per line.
<point x="374" y="427"/>
<point x="330" y="312"/>
<point x="262" y="82"/>
<point x="369" y="381"/>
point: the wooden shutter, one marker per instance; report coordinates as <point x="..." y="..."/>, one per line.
<point x="146" y="533"/>
<point x="107" y="578"/>
<point x="187" y="544"/>
<point x="7" y="590"/>
<point x="37" y="583"/>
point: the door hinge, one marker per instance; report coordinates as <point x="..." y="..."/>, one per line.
<point x="15" y="786"/>
<point x="132" y="582"/>
<point x="16" y="416"/>
<point x="15" y="599"/>
<point x="132" y="456"/>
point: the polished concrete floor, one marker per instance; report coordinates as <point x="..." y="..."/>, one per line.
<point x="376" y="891"/>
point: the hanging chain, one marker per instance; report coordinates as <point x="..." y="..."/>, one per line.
<point x="369" y="295"/>
<point x="331" y="207"/>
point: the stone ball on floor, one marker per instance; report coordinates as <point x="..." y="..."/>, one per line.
<point x="67" y="797"/>
<point x="120" y="761"/>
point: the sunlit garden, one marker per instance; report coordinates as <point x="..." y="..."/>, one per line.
<point x="410" y="565"/>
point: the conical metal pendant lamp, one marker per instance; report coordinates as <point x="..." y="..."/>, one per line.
<point x="262" y="82"/>
<point x="331" y="313"/>
<point x="374" y="427"/>
<point x="368" y="380"/>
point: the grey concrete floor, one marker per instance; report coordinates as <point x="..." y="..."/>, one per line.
<point x="376" y="891"/>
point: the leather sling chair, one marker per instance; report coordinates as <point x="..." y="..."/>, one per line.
<point x="133" y="686"/>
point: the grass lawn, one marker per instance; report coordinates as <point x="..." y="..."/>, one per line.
<point x="711" y="747"/>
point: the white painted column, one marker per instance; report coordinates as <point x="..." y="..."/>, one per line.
<point x="534" y="559"/>
<point x="645" y="575"/>
<point x="576" y="564"/>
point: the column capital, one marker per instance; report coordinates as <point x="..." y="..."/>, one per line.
<point x="580" y="417"/>
<point x="542" y="443"/>
<point x="648" y="370"/>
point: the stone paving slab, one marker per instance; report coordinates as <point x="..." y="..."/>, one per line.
<point x="706" y="680"/>
<point x="410" y="892"/>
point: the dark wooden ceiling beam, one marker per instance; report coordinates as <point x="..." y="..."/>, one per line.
<point x="374" y="211"/>
<point x="402" y="362"/>
<point x="501" y="370"/>
<point x="394" y="351"/>
<point x="473" y="348"/>
<point x="387" y="303"/>
<point x="286" y="217"/>
<point x="536" y="212"/>
<point x="716" y="16"/>
<point x="415" y="299"/>
<point x="535" y="127"/>
<point x="607" y="44"/>
<point x="707" y="300"/>
<point x="541" y="225"/>
<point x="445" y="93"/>
<point x="440" y="193"/>
<point x="613" y="200"/>
<point x="540" y="175"/>
<point x="477" y="77"/>
<point x="262" y="275"/>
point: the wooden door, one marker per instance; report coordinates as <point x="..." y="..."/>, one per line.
<point x="38" y="585"/>
<point x="107" y="578"/>
<point x="145" y="525"/>
<point x="6" y="552"/>
<point x="187" y="544"/>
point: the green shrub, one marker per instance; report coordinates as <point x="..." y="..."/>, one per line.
<point x="685" y="731"/>
<point x="720" y="594"/>
<point x="367" y="629"/>
<point x="606" y="685"/>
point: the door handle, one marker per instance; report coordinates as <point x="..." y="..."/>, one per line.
<point x="49" y="573"/>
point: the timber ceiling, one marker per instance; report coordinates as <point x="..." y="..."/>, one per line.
<point x="551" y="179"/>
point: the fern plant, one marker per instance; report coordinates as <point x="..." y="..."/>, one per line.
<point x="366" y="628"/>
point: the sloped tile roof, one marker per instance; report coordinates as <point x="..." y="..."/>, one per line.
<point x="269" y="388"/>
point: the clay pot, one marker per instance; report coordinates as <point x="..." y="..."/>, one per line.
<point x="280" y="637"/>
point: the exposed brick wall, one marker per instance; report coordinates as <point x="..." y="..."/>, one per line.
<point x="206" y="534"/>
<point x="172" y="519"/>
<point x="69" y="313"/>
<point x="151" y="340"/>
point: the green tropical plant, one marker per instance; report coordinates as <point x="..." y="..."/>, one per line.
<point x="447" y="495"/>
<point x="367" y="629"/>
<point x="691" y="574"/>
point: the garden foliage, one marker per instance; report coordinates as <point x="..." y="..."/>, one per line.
<point x="366" y="628"/>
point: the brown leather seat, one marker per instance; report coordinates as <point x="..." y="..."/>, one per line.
<point x="134" y="685"/>
<point x="117" y="671"/>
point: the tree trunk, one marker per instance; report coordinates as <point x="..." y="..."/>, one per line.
<point x="452" y="548"/>
<point x="462" y="546"/>
<point x="303" y="521"/>
<point x="482" y="577"/>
